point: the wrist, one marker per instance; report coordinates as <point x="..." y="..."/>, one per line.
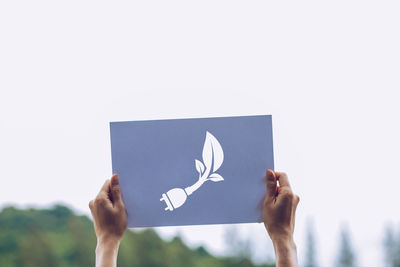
<point x="107" y="243"/>
<point x="285" y="251"/>
<point x="284" y="241"/>
<point x="107" y="252"/>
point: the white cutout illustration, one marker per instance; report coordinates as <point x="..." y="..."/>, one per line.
<point x="213" y="156"/>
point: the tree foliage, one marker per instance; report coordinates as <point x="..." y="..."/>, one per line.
<point x="57" y="237"/>
<point x="311" y="254"/>
<point x="346" y="257"/>
<point x="392" y="247"/>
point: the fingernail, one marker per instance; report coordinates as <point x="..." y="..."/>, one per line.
<point x="114" y="179"/>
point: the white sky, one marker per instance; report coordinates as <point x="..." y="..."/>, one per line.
<point x="328" y="72"/>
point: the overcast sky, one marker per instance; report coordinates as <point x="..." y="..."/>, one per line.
<point x="327" y="71"/>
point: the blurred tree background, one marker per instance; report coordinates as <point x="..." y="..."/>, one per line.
<point x="346" y="256"/>
<point x="392" y="247"/>
<point x="57" y="237"/>
<point x="311" y="253"/>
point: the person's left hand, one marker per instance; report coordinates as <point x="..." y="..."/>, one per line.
<point x="109" y="213"/>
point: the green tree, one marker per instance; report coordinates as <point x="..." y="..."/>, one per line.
<point x="35" y="250"/>
<point x="57" y="237"/>
<point x="346" y="256"/>
<point x="391" y="247"/>
<point x="239" y="248"/>
<point x="310" y="256"/>
<point x="80" y="252"/>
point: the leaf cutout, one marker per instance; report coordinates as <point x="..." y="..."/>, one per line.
<point x="215" y="177"/>
<point x="213" y="155"/>
<point x="207" y="152"/>
<point x="199" y="166"/>
<point x="218" y="152"/>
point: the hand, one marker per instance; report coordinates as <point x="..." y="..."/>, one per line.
<point x="110" y="222"/>
<point x="279" y="217"/>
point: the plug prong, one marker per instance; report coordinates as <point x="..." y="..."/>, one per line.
<point x="167" y="201"/>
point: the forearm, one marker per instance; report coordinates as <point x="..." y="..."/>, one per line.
<point x="286" y="253"/>
<point x="106" y="253"/>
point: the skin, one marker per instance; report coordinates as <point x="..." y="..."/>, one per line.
<point x="110" y="222"/>
<point x="280" y="205"/>
<point x="279" y="217"/>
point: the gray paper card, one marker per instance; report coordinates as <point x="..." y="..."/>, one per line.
<point x="192" y="171"/>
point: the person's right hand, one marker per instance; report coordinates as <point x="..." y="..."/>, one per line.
<point x="279" y="217"/>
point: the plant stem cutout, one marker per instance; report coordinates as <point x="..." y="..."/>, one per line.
<point x="213" y="157"/>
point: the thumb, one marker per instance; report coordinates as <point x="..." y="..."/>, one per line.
<point x="115" y="190"/>
<point x="271" y="184"/>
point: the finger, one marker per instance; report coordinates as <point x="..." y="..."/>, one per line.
<point x="271" y="184"/>
<point x="105" y="187"/>
<point x="283" y="179"/>
<point x="297" y="200"/>
<point x="116" y="190"/>
<point x="91" y="205"/>
<point x="102" y="201"/>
